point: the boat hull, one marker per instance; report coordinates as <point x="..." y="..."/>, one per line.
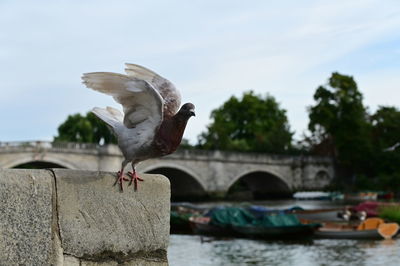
<point x="348" y="234"/>
<point x="278" y="232"/>
<point x="202" y="226"/>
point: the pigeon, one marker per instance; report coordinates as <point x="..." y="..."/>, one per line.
<point x="151" y="125"/>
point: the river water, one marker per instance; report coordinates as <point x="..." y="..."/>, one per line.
<point x="196" y="250"/>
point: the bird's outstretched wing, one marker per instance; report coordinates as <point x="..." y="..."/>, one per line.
<point x="171" y="96"/>
<point x="142" y="103"/>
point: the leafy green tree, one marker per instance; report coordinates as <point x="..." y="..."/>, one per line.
<point x="253" y="123"/>
<point x="84" y="129"/>
<point x="101" y="132"/>
<point x="339" y="124"/>
<point x="366" y="147"/>
<point x="185" y="144"/>
<point x="386" y="128"/>
<point x="386" y="140"/>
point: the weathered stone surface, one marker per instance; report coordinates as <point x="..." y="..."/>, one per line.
<point x="134" y="262"/>
<point x="26" y="217"/>
<point x="72" y="261"/>
<point x="44" y="211"/>
<point x="99" y="223"/>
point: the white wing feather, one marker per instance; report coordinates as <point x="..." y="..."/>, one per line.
<point x="147" y="99"/>
<point x="140" y="101"/>
<point x="111" y="116"/>
<point x="171" y="96"/>
<point x="143" y="111"/>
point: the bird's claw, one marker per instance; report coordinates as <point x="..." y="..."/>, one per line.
<point x="120" y="179"/>
<point x="134" y="178"/>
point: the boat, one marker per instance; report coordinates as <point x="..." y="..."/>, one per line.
<point x="277" y="232"/>
<point x="372" y="208"/>
<point x="218" y="221"/>
<point x="361" y="196"/>
<point x="385" y="195"/>
<point x="371" y="229"/>
<point x="239" y="222"/>
<point x="201" y="225"/>
<point x="180" y="214"/>
<point x="317" y="195"/>
<point x="322" y="215"/>
<point x="329" y="233"/>
<point x="312" y="195"/>
<point x="179" y="223"/>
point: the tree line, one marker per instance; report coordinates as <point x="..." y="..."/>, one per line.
<point x="364" y="145"/>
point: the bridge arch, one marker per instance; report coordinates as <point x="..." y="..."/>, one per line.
<point x="260" y="184"/>
<point x="321" y="179"/>
<point x="29" y="159"/>
<point x="322" y="175"/>
<point x="185" y="185"/>
<point x="38" y="165"/>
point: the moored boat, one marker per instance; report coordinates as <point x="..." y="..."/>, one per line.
<point x="180" y="214"/>
<point x="277" y="232"/>
<point x="238" y="222"/>
<point x="317" y="195"/>
<point x="371" y="228"/>
<point x="201" y="225"/>
<point x="329" y="233"/>
<point x="322" y="215"/>
<point x="361" y="196"/>
<point x="312" y="195"/>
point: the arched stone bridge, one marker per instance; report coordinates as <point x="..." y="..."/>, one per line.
<point x="191" y="172"/>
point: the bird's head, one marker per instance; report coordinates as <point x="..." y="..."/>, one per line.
<point x="187" y="110"/>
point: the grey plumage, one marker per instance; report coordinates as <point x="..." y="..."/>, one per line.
<point x="149" y="101"/>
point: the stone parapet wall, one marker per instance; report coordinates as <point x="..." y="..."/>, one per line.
<point x="71" y="217"/>
<point x="214" y="171"/>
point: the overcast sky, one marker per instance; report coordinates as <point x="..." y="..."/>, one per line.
<point x="209" y="49"/>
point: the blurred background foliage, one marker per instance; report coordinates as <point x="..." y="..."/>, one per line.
<point x="251" y="124"/>
<point x="84" y="129"/>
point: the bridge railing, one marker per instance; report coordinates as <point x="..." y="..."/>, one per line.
<point x="179" y="155"/>
<point x="11" y="145"/>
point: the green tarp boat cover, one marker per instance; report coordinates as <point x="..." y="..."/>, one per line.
<point x="228" y="216"/>
<point x="180" y="218"/>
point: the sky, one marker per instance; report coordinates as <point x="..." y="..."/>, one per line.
<point x="210" y="50"/>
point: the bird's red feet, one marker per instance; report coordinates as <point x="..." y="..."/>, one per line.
<point x="134" y="178"/>
<point x="120" y="179"/>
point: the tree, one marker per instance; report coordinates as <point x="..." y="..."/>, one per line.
<point x="185" y="144"/>
<point x="339" y="124"/>
<point x="252" y="123"/>
<point x="386" y="140"/>
<point x="386" y="128"/>
<point x="84" y="129"/>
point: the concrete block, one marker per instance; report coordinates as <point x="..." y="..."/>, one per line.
<point x="69" y="217"/>
<point x="71" y="261"/>
<point x="26" y="217"/>
<point x="134" y="262"/>
<point x="99" y="223"/>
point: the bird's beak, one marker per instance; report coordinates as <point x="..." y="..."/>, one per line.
<point x="192" y="113"/>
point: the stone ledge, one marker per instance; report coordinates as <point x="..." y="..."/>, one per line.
<point x="26" y="217"/>
<point x="56" y="217"/>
